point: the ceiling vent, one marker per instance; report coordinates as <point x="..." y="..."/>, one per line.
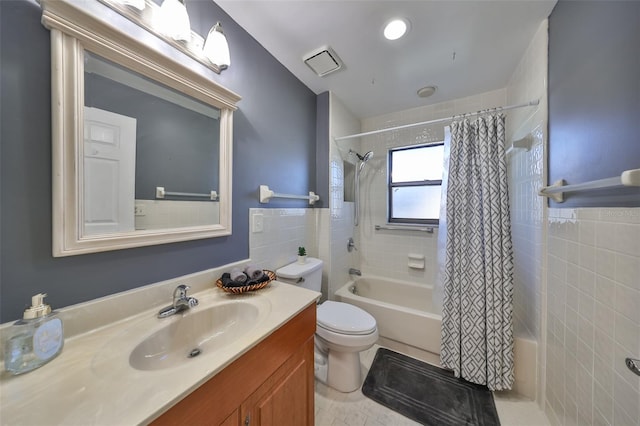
<point x="323" y="61"/>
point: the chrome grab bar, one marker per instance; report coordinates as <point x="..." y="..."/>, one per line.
<point x="428" y="229"/>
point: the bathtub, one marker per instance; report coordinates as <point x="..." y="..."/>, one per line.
<point x="404" y="313"/>
<point x="403" y="310"/>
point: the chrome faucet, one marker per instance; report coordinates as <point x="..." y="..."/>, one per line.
<point x="351" y="245"/>
<point x="181" y="302"/>
<point x="354" y="271"/>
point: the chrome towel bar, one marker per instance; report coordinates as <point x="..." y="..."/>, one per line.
<point x="161" y="193"/>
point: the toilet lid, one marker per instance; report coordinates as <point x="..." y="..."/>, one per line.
<point x="344" y="318"/>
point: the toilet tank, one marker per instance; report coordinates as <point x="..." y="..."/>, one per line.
<point x="307" y="275"/>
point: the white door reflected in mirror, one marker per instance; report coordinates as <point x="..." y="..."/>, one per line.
<point x="109" y="172"/>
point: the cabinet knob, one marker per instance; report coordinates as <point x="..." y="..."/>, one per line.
<point x="247" y="420"/>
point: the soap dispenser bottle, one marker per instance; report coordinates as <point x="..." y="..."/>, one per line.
<point x="35" y="339"/>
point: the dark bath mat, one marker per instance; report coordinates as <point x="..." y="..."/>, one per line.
<point x="427" y="394"/>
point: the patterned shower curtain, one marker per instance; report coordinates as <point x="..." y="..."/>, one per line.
<point x="477" y="326"/>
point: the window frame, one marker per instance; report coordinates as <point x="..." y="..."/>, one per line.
<point x="391" y="186"/>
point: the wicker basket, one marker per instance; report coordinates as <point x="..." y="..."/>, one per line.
<point x="253" y="287"/>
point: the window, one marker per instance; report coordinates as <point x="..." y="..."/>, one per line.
<point x="415" y="181"/>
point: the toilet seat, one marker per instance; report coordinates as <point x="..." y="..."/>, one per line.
<point x="343" y="318"/>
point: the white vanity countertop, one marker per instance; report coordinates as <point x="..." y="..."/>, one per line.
<point x="91" y="381"/>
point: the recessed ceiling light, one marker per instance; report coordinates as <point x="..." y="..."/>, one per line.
<point x="427" y="91"/>
<point x="395" y="29"/>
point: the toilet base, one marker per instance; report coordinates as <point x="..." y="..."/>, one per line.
<point x="343" y="373"/>
<point x="320" y="367"/>
<point x="338" y="370"/>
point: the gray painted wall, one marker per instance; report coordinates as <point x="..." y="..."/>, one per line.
<point x="274" y="144"/>
<point x="594" y="97"/>
<point x="322" y="149"/>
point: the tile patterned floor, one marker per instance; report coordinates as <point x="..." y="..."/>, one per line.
<point x="335" y="408"/>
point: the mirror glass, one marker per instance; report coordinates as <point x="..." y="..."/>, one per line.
<point x="151" y="153"/>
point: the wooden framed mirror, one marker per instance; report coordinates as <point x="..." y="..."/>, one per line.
<point x="141" y="143"/>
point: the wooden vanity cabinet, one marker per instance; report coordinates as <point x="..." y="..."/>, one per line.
<point x="272" y="384"/>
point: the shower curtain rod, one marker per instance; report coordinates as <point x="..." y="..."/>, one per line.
<point x="439" y="120"/>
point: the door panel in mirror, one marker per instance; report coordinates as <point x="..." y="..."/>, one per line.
<point x="109" y="172"/>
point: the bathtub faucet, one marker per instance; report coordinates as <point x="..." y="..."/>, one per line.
<point x="354" y="271"/>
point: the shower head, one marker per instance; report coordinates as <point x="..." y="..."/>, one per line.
<point x="364" y="158"/>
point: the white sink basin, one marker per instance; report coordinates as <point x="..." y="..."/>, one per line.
<point x="194" y="334"/>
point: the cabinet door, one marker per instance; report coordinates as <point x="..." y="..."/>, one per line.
<point x="287" y="400"/>
<point x="232" y="420"/>
<point x="287" y="403"/>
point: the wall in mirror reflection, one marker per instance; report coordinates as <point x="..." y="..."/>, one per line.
<point x="165" y="214"/>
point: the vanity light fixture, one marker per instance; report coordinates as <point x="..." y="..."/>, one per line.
<point x="395" y="29"/>
<point x="174" y="21"/>
<point x="169" y="20"/>
<point x="216" y="48"/>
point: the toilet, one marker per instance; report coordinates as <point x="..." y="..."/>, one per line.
<point x="342" y="330"/>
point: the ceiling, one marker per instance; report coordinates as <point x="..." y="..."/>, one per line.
<point x="462" y="47"/>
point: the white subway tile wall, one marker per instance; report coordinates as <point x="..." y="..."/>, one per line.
<point x="385" y="253"/>
<point x="284" y="230"/>
<point x="593" y="316"/>
<point x="341" y="260"/>
<point x="526" y="175"/>
<point x="339" y="223"/>
<point x="154" y="214"/>
<point x="324" y="235"/>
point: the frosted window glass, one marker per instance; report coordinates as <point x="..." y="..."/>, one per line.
<point x="417" y="164"/>
<point x="416" y="202"/>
